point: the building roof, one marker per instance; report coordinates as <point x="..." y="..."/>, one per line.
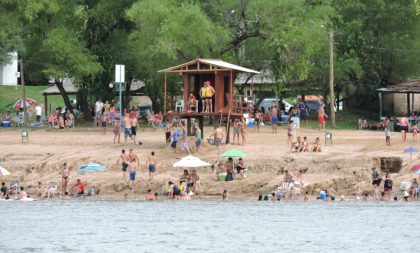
<point x="214" y="65"/>
<point x="264" y="77"/>
<point x="412" y="86"/>
<point x="67" y="85"/>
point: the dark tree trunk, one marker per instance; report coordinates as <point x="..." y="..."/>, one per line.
<point x="64" y="94"/>
<point x="84" y="105"/>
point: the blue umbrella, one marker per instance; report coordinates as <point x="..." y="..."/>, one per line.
<point x="418" y="172"/>
<point x="91" y="167"/>
<point x="411" y="150"/>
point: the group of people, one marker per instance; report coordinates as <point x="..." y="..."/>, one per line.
<point x="61" y="119"/>
<point x="302" y="145"/>
<point x="188" y="185"/>
<point x="228" y="170"/>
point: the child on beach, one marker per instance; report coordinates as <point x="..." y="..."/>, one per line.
<point x="415" y="131"/>
<point x="225" y="195"/>
<point x="117" y="130"/>
<point x="289" y="134"/>
<point x="387" y="126"/>
<point x="104" y="120"/>
<point x="317" y="145"/>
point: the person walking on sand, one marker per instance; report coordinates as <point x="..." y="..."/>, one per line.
<point x="198" y="139"/>
<point x="65" y="174"/>
<point x="168" y="133"/>
<point x="218" y="137"/>
<point x="387" y="129"/>
<point x="127" y="127"/>
<point x="152" y="161"/>
<point x="321" y="118"/>
<point x="274" y="119"/>
<point x="404" y="126"/>
<point x="125" y="161"/>
<point x="116" y="130"/>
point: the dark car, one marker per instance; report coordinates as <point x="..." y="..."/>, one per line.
<point x="313" y="106"/>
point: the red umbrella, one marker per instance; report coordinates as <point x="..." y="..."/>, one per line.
<point x="19" y="103"/>
<point x="416" y="168"/>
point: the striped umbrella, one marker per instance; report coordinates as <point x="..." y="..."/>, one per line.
<point x="4" y="172"/>
<point x="19" y="103"/>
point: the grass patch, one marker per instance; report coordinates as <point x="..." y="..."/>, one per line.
<point x="9" y="95"/>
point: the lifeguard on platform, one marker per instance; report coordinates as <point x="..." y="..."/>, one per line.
<point x="207" y="93"/>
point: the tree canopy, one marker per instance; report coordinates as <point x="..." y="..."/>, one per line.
<point x="377" y="42"/>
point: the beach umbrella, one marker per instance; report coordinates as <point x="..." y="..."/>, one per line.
<point x="191" y="162"/>
<point x="91" y="167"/>
<point x="4" y="172"/>
<point x="415" y="168"/>
<point x="19" y="104"/>
<point x="411" y="150"/>
<point x="233" y="153"/>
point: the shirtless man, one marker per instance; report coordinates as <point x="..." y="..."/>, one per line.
<point x="134" y="124"/>
<point x="65" y="173"/>
<point x="133" y="156"/>
<point x="321" y="118"/>
<point x="274" y="119"/>
<point x="22" y="194"/>
<point x="152" y="161"/>
<point x="218" y="136"/>
<point x="127" y="127"/>
<point x="203" y="95"/>
<point x="125" y="161"/>
<point x="210" y="93"/>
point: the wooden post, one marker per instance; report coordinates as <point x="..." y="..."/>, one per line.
<point x="230" y="92"/>
<point x="380" y="105"/>
<point x="201" y="123"/>
<point x="186" y="91"/>
<point x="46" y="104"/>
<point x="408" y="104"/>
<point x="164" y="96"/>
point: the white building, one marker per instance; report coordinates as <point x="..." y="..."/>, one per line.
<point x="8" y="72"/>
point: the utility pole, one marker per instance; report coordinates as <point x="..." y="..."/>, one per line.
<point x="332" y="97"/>
<point x="22" y="80"/>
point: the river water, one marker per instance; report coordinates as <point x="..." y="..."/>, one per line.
<point x="209" y="226"/>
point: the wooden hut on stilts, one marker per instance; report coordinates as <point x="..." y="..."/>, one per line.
<point x="221" y="76"/>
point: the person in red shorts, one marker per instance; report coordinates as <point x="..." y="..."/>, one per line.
<point x="321" y="118"/>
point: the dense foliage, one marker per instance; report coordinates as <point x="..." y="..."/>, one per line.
<point x="377" y="42"/>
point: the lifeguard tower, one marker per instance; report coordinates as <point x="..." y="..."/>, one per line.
<point x="221" y="76"/>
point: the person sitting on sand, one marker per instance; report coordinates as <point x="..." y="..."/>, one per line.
<point x="384" y="196"/>
<point x="185" y="196"/>
<point x="194" y="181"/>
<point x="40" y="189"/>
<point x="414" y="188"/>
<point x="184" y="179"/>
<point x="304" y="146"/>
<point x="240" y="167"/>
<point x="297" y="145"/>
<point x="273" y="197"/>
<point x="3" y="190"/>
<point x="78" y="188"/>
<point x="229" y="169"/>
<point x="317" y="145"/>
<point x="149" y="195"/>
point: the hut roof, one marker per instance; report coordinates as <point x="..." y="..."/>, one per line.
<point x="214" y="64"/>
<point x="412" y="86"/>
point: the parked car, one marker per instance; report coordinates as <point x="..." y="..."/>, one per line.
<point x="268" y="102"/>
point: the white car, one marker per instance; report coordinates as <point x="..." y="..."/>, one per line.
<point x="268" y="102"/>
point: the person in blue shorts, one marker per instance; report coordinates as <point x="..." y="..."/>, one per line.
<point x="133" y="168"/>
<point x="274" y="119"/>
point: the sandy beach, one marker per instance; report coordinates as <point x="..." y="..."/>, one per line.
<point x="344" y="166"/>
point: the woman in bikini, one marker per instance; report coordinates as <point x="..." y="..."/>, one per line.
<point x="236" y="130"/>
<point x="65" y="174"/>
